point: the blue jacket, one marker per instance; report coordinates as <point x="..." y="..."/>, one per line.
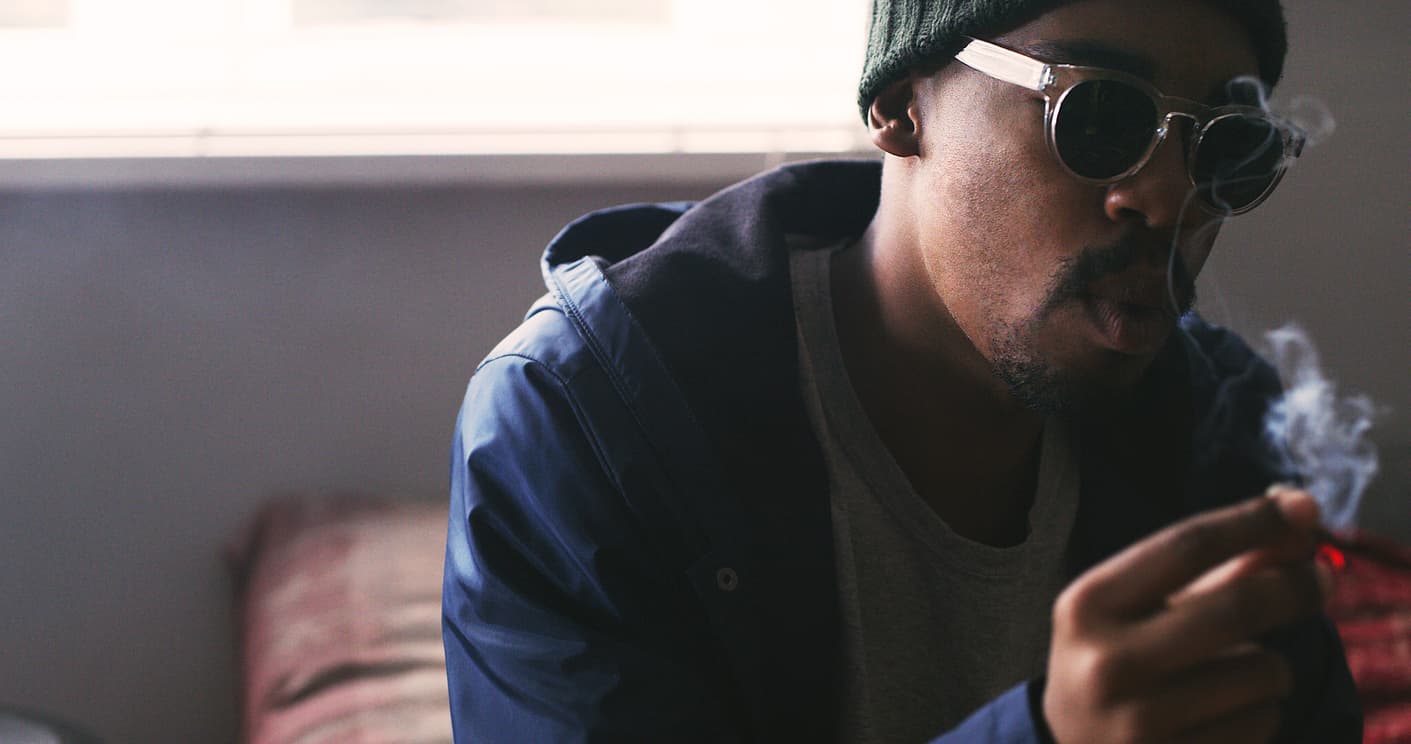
<point x="639" y="545"/>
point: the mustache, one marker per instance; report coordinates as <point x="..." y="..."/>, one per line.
<point x="1076" y="274"/>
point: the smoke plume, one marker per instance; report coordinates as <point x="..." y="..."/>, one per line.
<point x="1317" y="433"/>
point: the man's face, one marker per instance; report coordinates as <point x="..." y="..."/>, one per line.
<point x="1066" y="288"/>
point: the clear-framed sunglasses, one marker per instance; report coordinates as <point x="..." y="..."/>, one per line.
<point x="1103" y="126"/>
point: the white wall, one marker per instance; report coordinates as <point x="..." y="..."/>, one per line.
<point x="171" y="357"/>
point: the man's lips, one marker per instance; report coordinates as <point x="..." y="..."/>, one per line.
<point x="1132" y="316"/>
<point x="1140" y="287"/>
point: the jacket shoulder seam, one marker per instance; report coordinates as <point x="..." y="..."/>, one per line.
<point x="571" y="309"/>
<point x="565" y="385"/>
<point x="552" y="370"/>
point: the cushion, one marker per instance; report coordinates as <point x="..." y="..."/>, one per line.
<point x="1372" y="609"/>
<point x="338" y="602"/>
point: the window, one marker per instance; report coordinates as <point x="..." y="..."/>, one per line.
<point x="339" y="77"/>
<point x="322" y="12"/>
<point x="34" y="14"/>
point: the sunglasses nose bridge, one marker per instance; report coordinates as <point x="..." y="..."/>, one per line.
<point x="1156" y="186"/>
<point x="1163" y="128"/>
<point x="1170" y="118"/>
<point x="1168" y="122"/>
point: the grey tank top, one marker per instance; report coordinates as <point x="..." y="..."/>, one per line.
<point x="934" y="625"/>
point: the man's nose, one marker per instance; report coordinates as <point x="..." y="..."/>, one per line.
<point x="1157" y="194"/>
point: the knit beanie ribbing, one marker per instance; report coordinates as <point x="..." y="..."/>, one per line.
<point x="907" y="33"/>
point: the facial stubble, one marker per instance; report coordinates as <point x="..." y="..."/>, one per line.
<point x="1039" y="383"/>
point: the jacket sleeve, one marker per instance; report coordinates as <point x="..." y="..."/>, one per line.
<point x="560" y="622"/>
<point x="1324" y="708"/>
<point x="1012" y="718"/>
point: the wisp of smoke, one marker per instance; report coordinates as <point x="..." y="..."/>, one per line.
<point x="1319" y="434"/>
<point x="1306" y="115"/>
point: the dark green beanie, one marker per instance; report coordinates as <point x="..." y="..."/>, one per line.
<point x="909" y="33"/>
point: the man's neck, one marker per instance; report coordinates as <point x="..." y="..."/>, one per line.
<point x="968" y="447"/>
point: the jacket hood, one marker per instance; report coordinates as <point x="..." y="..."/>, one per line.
<point x="836" y="197"/>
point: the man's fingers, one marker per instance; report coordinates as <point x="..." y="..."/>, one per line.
<point x="1256" y="724"/>
<point x="1251" y="562"/>
<point x="1231" y="570"/>
<point x="1203" y="624"/>
<point x="1140" y="646"/>
<point x="1246" y="676"/>
<point x="1138" y="580"/>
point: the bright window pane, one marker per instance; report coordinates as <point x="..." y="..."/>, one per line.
<point x="325" y="77"/>
<point x="34" y="13"/>
<point x="328" y="12"/>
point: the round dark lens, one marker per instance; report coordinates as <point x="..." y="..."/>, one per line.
<point x="1104" y="127"/>
<point x="1237" y="160"/>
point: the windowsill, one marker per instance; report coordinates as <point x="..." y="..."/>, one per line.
<point x="156" y="161"/>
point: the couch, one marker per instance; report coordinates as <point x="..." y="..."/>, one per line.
<point x="339" y="616"/>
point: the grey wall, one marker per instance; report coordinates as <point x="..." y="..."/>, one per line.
<point x="1330" y="249"/>
<point x="170" y="358"/>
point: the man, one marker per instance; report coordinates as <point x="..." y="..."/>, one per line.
<point x="863" y="453"/>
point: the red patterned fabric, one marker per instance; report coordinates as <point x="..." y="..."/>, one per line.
<point x="339" y="615"/>
<point x="1372" y="609"/>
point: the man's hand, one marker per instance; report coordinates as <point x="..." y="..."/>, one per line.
<point x="1156" y="644"/>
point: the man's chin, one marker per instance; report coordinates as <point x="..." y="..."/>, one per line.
<point x="1094" y="388"/>
<point x="1063" y="364"/>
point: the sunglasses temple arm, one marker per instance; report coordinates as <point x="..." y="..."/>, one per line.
<point x="1004" y="64"/>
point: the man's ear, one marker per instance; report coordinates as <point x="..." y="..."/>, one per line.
<point x="893" y="119"/>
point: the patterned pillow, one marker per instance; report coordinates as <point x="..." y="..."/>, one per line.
<point x="1372" y="609"/>
<point x="338" y="601"/>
